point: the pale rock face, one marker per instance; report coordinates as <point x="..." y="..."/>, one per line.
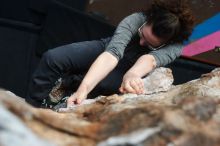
<point x="160" y="79"/>
<point x="14" y="132"/>
<point x="187" y="114"/>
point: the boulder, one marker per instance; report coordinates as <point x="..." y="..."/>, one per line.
<point x="186" y="114"/>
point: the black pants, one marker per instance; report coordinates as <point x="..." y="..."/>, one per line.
<point x="76" y="59"/>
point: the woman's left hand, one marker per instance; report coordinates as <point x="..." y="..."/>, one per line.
<point x="132" y="84"/>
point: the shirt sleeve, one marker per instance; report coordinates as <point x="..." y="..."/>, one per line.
<point x="126" y="29"/>
<point x="167" y="54"/>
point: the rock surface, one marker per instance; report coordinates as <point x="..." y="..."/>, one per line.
<point x="184" y="115"/>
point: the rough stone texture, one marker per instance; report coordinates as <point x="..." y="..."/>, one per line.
<point x="14" y="132"/>
<point x="159" y="80"/>
<point x="185" y="115"/>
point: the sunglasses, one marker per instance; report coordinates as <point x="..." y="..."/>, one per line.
<point x="140" y="33"/>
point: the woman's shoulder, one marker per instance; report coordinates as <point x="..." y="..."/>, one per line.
<point x="139" y="14"/>
<point x="137" y="17"/>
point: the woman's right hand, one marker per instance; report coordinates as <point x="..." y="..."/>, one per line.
<point x="76" y="98"/>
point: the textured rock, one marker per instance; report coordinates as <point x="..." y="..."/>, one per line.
<point x="14" y="132"/>
<point x="158" y="80"/>
<point x="186" y="114"/>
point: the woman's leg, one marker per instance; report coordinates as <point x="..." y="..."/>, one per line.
<point x="76" y="57"/>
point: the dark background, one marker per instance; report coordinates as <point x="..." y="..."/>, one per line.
<point x="30" y="27"/>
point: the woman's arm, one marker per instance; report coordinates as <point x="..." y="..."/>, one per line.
<point x="167" y="54"/>
<point x="132" y="82"/>
<point x="104" y="64"/>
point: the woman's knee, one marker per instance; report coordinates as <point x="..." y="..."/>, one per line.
<point x="51" y="57"/>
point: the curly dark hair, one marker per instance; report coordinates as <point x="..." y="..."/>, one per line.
<point x="172" y="20"/>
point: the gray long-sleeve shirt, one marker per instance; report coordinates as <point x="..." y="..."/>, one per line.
<point x="127" y="28"/>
